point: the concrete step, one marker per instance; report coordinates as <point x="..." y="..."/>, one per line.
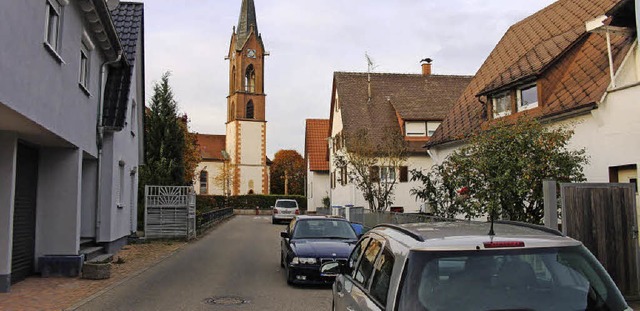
<point x="104" y="258"/>
<point x="91" y="252"/>
<point x="86" y="242"/>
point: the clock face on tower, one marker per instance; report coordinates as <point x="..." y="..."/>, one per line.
<point x="251" y="53"/>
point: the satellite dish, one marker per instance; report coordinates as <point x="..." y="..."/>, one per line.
<point x="112" y="4"/>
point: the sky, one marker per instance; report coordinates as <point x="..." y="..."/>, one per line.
<point x="309" y="41"/>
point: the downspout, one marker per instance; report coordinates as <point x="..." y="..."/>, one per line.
<point x="100" y="138"/>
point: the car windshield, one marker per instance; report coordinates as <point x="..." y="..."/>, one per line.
<point x="323" y="229"/>
<point x="567" y="278"/>
<point x="287" y="204"/>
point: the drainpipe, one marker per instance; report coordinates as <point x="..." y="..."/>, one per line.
<point x="100" y="138"/>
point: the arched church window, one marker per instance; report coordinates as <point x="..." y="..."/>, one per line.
<point x="203" y="182"/>
<point x="250" y="79"/>
<point x="232" y="111"/>
<point x="249" y="112"/>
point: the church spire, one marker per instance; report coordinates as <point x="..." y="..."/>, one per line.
<point x="246" y="21"/>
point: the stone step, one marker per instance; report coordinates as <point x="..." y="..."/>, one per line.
<point x="104" y="258"/>
<point x="91" y="252"/>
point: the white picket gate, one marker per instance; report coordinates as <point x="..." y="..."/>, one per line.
<point x="170" y="212"/>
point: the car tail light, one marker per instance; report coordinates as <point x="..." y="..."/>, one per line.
<point x="503" y="244"/>
<point x="275" y="211"/>
<point x="297" y="212"/>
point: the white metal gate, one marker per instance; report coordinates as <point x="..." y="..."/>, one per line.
<point x="170" y="212"/>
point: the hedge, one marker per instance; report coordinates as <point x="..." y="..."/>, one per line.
<point x="206" y="203"/>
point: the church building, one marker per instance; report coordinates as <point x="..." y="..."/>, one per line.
<point x="242" y="166"/>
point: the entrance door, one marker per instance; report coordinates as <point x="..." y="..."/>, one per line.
<point x="24" y="215"/>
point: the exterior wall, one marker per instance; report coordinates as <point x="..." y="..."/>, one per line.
<point x="251" y="143"/>
<point x="246" y="145"/>
<point x="58" y="202"/>
<point x="214" y="169"/>
<point x="8" y="149"/>
<point x="40" y="87"/>
<point x="89" y="197"/>
<point x="318" y="185"/>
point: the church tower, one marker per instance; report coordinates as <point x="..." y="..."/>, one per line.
<point x="246" y="127"/>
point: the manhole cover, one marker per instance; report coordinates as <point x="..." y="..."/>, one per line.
<point x="226" y="300"/>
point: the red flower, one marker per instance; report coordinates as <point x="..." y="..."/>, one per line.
<point x="464" y="190"/>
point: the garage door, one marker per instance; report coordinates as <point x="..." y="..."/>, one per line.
<point x="24" y="216"/>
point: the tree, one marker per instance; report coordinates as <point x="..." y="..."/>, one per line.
<point x="287" y="173"/>
<point x="372" y="164"/>
<point x="165" y="142"/>
<point x="191" y="155"/>
<point x="500" y="172"/>
<point x="223" y="177"/>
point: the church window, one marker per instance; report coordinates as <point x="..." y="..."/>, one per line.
<point x="249" y="113"/>
<point x="232" y="111"/>
<point x="250" y="79"/>
<point x="203" y="182"/>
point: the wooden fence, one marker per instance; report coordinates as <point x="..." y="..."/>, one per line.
<point x="603" y="218"/>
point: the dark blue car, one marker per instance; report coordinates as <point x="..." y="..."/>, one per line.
<point x="310" y="241"/>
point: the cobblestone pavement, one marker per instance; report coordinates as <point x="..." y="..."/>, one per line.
<point x="36" y="293"/>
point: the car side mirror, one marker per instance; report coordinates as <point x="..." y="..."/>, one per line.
<point x="332" y="268"/>
<point x="284" y="234"/>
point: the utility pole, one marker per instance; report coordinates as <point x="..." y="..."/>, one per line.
<point x="286" y="182"/>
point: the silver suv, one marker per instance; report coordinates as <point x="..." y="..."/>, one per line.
<point x="457" y="265"/>
<point x="284" y="209"/>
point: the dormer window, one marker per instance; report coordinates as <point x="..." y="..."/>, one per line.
<point x="501" y="105"/>
<point x="420" y="128"/>
<point x="527" y="97"/>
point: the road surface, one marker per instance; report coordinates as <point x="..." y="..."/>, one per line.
<point x="239" y="260"/>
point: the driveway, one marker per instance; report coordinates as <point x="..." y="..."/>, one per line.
<point x="239" y="260"/>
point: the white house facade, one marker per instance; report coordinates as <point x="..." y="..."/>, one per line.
<point x="71" y="99"/>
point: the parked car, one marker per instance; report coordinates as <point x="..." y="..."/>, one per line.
<point x="458" y="266"/>
<point x="310" y="241"/>
<point x="284" y="209"/>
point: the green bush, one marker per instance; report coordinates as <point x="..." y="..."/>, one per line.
<point x="206" y="203"/>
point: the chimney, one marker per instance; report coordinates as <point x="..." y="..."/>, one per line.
<point x="426" y="66"/>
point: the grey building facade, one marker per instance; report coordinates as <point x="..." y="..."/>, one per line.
<point x="71" y="105"/>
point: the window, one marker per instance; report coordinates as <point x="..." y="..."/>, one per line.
<point x="374" y="173"/>
<point x="249" y="111"/>
<point x="121" y="184"/>
<point x="52" y="30"/>
<point x="343" y="176"/>
<point x="381" y="277"/>
<point x="501" y="105"/>
<point x="413" y="128"/>
<point x="84" y="67"/>
<point x="203" y="182"/>
<point x="333" y="180"/>
<point x="355" y="255"/>
<point x="232" y="111"/>
<point x="365" y="267"/>
<point x="134" y="117"/>
<point x="527" y="97"/>
<point x="387" y="174"/>
<point x="404" y="174"/>
<point x="431" y="127"/>
<point x="233" y="79"/>
<point x="250" y="79"/>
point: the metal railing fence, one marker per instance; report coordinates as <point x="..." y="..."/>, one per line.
<point x="170" y="212"/>
<point x="205" y="220"/>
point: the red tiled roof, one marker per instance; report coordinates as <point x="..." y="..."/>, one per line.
<point x="394" y="97"/>
<point x="316" y="146"/>
<point x="211" y="146"/>
<point x="551" y="45"/>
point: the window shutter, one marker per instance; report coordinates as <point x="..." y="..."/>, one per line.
<point x="404" y="173"/>
<point x="374" y="173"/>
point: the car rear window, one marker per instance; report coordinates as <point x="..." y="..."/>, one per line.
<point x="287" y="204"/>
<point x="567" y="278"/>
<point x="324" y="229"/>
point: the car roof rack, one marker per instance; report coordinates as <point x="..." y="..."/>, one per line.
<point x="410" y="233"/>
<point x="532" y="226"/>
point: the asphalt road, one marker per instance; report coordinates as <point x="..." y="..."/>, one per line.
<point x="239" y="259"/>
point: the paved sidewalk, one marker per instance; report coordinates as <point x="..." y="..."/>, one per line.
<point x="36" y="293"/>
